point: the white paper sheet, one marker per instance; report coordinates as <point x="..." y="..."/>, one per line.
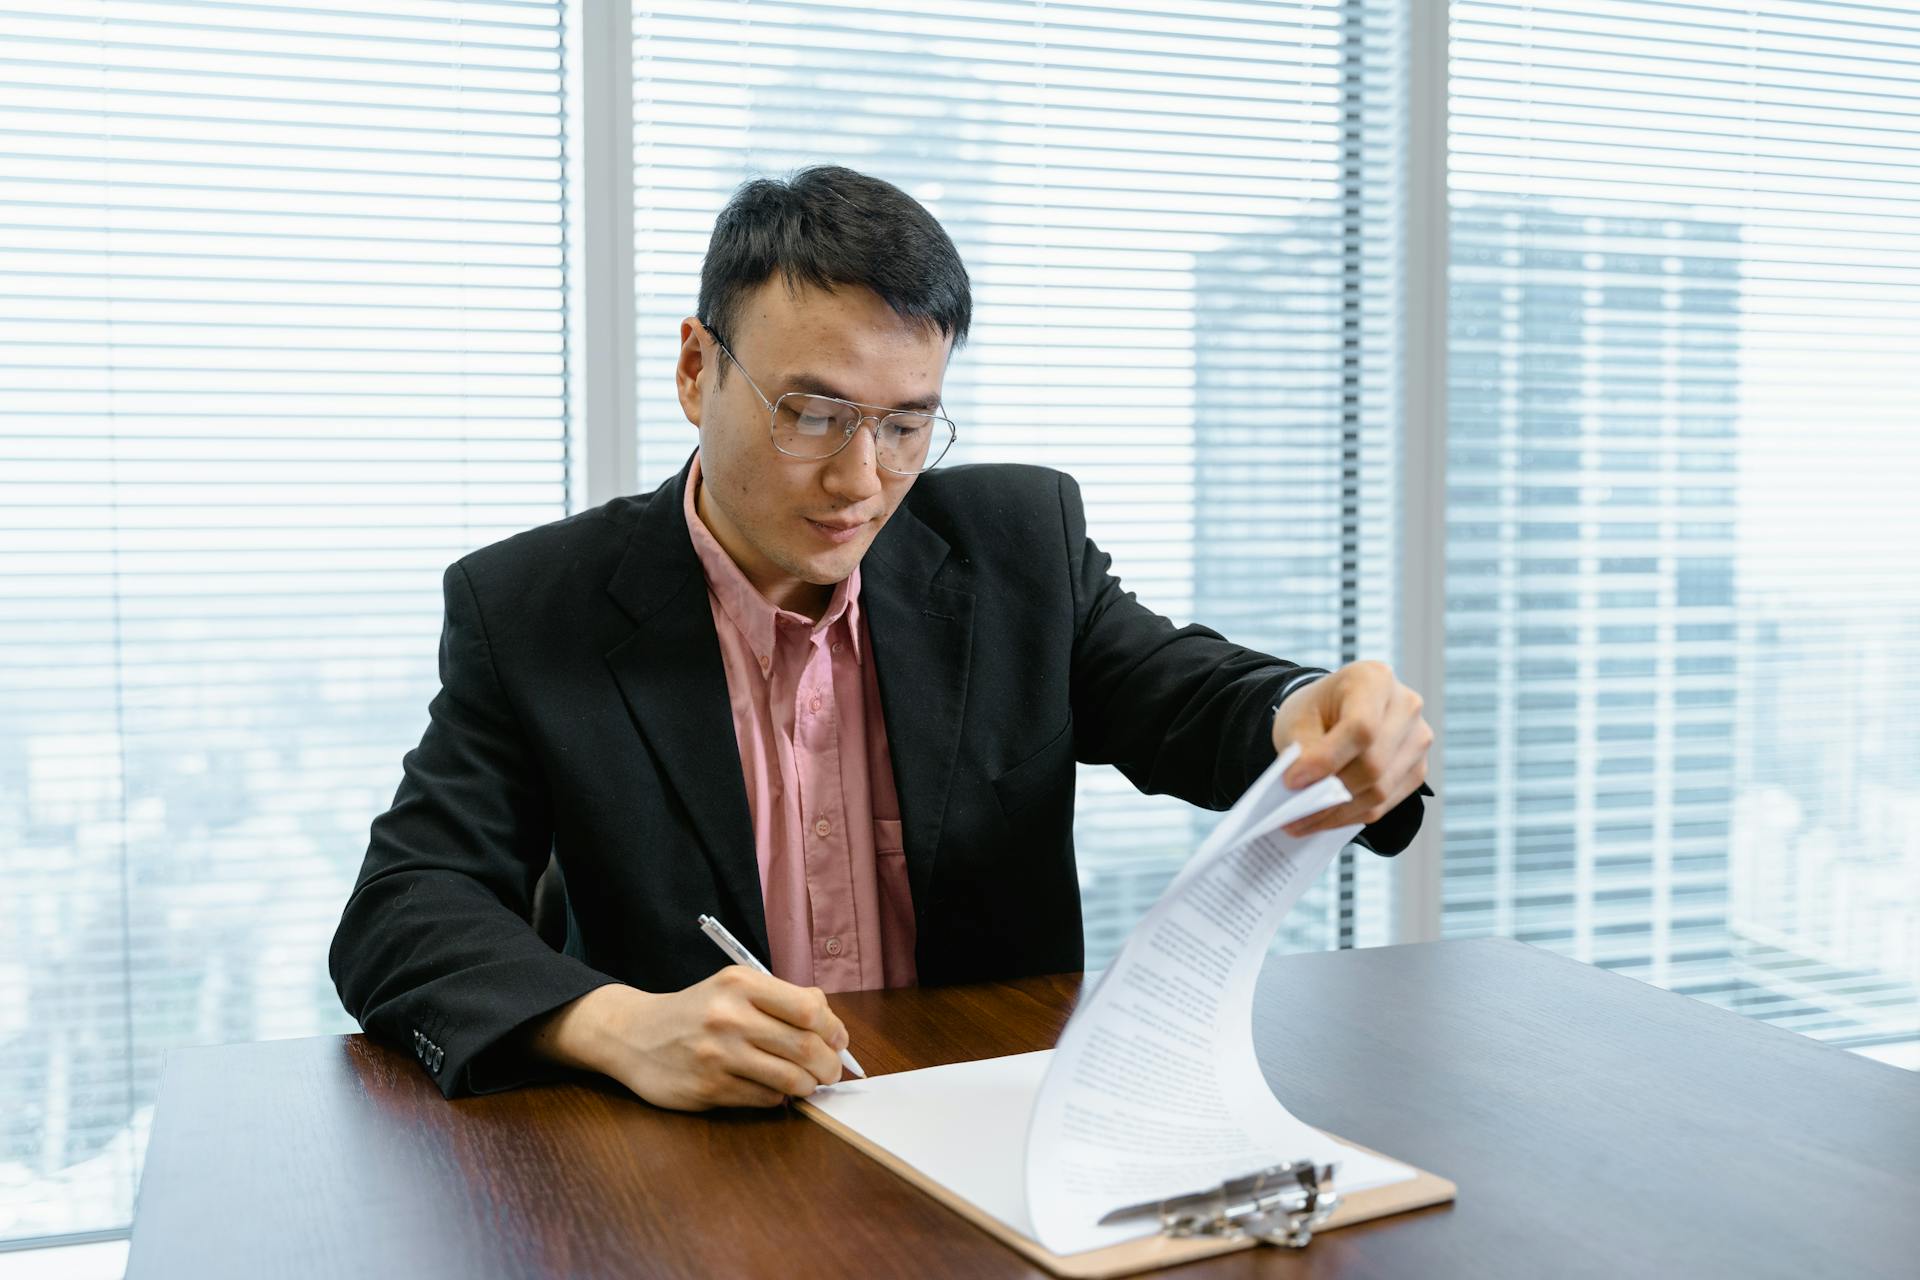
<point x="963" y="1125"/>
<point x="1154" y="1089"/>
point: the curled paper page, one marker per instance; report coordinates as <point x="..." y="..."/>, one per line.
<point x="1154" y="1089"/>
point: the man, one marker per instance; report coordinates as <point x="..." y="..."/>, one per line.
<point x="809" y="686"/>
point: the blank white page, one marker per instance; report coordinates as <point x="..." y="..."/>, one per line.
<point x="963" y="1125"/>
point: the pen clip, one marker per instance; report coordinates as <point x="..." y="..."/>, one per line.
<point x="1280" y="1205"/>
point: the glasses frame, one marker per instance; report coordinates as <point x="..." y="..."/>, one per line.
<point x="861" y="416"/>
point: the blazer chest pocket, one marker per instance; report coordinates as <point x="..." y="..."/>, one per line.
<point x="1045" y="775"/>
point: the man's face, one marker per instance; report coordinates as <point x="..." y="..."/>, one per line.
<point x="798" y="526"/>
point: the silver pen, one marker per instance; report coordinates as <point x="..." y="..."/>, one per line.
<point x="740" y="955"/>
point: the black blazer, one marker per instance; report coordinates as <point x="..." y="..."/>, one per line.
<point x="583" y="711"/>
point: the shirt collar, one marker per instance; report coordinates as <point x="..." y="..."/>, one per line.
<point x="756" y="617"/>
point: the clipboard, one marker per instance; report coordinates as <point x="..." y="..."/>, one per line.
<point x="1184" y="1236"/>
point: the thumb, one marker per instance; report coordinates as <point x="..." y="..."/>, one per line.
<point x="1306" y="728"/>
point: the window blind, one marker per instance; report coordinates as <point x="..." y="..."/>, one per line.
<point x="1683" y="610"/>
<point x="281" y="295"/>
<point x="1178" y="225"/>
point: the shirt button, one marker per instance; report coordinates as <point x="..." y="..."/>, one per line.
<point x="833" y="946"/>
<point x="765" y="662"/>
<point x="814" y="705"/>
<point x="822" y="827"/>
<point x="836" y="646"/>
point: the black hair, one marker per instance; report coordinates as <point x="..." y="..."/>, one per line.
<point x="828" y="226"/>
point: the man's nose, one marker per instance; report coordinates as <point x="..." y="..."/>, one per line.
<point x="853" y="474"/>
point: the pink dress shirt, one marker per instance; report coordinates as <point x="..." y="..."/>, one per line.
<point x="813" y="752"/>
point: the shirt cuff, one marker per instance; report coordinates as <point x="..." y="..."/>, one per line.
<point x="1297" y="681"/>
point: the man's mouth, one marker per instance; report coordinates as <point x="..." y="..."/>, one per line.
<point x="839" y="530"/>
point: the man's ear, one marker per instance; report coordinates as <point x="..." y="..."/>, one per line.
<point x="687" y="370"/>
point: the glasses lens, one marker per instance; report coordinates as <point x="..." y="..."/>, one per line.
<point x="911" y="441"/>
<point x="811" y="426"/>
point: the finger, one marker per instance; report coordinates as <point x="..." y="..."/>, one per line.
<point x="1301" y="721"/>
<point x="803" y="1007"/>
<point x="1409" y="768"/>
<point x="1326" y="820"/>
<point x="1376" y="764"/>
<point x="1362" y="785"/>
<point x="738" y="1091"/>
<point x="1358" y="716"/>
<point x="1372" y="801"/>
<point x="802" y="1048"/>
<point x="756" y="1066"/>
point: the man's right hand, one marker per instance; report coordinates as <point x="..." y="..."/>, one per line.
<point x="738" y="1039"/>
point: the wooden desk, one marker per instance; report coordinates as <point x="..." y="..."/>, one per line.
<point x="1595" y="1126"/>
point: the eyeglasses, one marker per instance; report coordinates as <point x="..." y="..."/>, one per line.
<point x="905" y="441"/>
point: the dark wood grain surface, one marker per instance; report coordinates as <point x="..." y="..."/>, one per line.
<point x="1595" y="1126"/>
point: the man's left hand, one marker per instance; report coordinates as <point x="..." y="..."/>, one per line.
<point x="1363" y="726"/>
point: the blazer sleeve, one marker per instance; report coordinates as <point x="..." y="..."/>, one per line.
<point x="1179" y="710"/>
<point x="434" y="951"/>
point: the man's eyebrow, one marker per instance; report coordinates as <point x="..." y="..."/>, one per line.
<point x="815" y="385"/>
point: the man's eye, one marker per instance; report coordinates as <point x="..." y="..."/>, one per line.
<point x="813" y="424"/>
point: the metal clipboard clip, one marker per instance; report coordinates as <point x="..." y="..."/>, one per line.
<point x="1282" y="1205"/>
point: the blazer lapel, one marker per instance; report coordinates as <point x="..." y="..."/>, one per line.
<point x="923" y="645"/>
<point x="675" y="685"/>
